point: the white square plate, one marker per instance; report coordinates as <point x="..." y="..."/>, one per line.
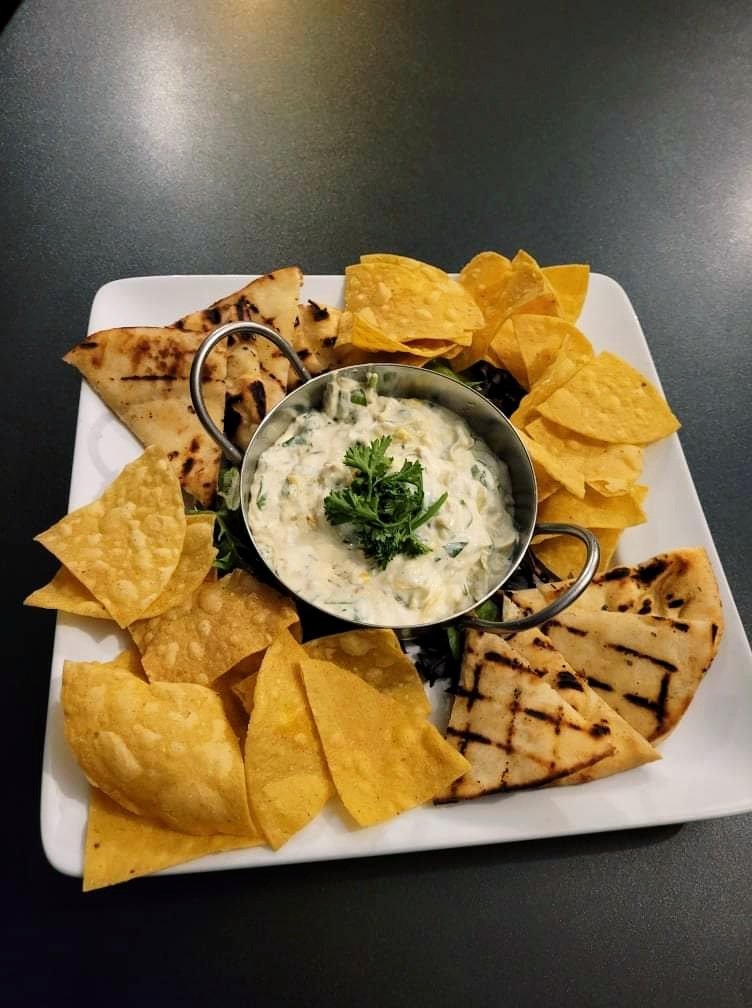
<point x="706" y="769"/>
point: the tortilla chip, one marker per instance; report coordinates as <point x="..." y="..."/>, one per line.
<point x="195" y="562"/>
<point x="611" y="401"/>
<point x="287" y="777"/>
<point x="514" y="729"/>
<point x="244" y="689"/>
<point x="408" y="300"/>
<point x="484" y="277"/>
<point x="504" y="352"/>
<point x="610" y="469"/>
<point x="593" y="510"/>
<point x="570" y="284"/>
<point x="377" y="658"/>
<point x="223" y="622"/>
<point x="565" y="555"/>
<point x="540" y="337"/>
<point x="630" y="748"/>
<point x="121" y="846"/>
<point x="142" y="375"/>
<point x="162" y="750"/>
<point x="383" y="760"/>
<point x="647" y="668"/>
<point x="257" y="372"/>
<point x="571" y="359"/>
<point x="124" y="547"/>
<point x="66" y="594"/>
<point x="548" y="467"/>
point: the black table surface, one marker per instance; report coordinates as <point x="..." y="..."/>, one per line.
<point x="204" y="137"/>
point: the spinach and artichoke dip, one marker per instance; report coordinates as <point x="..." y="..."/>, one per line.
<point x="437" y="538"/>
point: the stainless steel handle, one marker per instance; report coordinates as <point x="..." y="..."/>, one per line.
<point x="506" y="627"/>
<point x="207" y="345"/>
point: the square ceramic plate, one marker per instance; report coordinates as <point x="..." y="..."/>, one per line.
<point x="706" y="769"/>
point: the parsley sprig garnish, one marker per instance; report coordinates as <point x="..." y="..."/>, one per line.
<point x="385" y="508"/>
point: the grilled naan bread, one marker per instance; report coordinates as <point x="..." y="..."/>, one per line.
<point x="257" y="372"/>
<point x="679" y="585"/>
<point x="647" y="668"/>
<point x="316" y="338"/>
<point x="630" y="748"/>
<point x="142" y="375"/>
<point x="515" y="730"/>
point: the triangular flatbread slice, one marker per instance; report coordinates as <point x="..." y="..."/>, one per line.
<point x="647" y="668"/>
<point x="142" y="375"/>
<point x="680" y="585"/>
<point x="257" y="372"/>
<point x="630" y="748"/>
<point x="316" y="338"/>
<point x="516" y="731"/>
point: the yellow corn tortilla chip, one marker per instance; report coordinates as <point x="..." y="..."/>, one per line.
<point x="540" y="337"/>
<point x="409" y="300"/>
<point x="125" y="546"/>
<point x="383" y="760"/>
<point x="484" y="277"/>
<point x="223" y="622"/>
<point x="66" y="594"/>
<point x="195" y="562"/>
<point x="121" y="846"/>
<point x="244" y="689"/>
<point x="611" y="469"/>
<point x="611" y="401"/>
<point x="377" y="658"/>
<point x="527" y="289"/>
<point x="570" y="284"/>
<point x="570" y="360"/>
<point x="287" y="777"/>
<point x="593" y="511"/>
<point x="162" y="750"/>
<point x="504" y="352"/>
<point x="547" y="465"/>
<point x="565" y="555"/>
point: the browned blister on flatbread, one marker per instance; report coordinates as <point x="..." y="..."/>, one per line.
<point x="257" y="372"/>
<point x="680" y="585"/>
<point x="630" y="748"/>
<point x="142" y="375"/>
<point x="515" y="730"/>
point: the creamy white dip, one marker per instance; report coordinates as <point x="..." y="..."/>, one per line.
<point x="470" y="538"/>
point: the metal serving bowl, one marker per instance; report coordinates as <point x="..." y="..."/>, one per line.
<point x="402" y="381"/>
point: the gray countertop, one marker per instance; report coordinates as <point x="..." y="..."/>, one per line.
<point x="187" y="137"/>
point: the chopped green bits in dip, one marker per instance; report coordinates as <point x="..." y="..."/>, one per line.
<point x="373" y="510"/>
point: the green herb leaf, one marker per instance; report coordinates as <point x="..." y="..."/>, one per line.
<point x="454" y="549"/>
<point x="479" y="473"/>
<point x="228" y="488"/>
<point x="358" y="397"/>
<point x="384" y="508"/>
<point x="442" y="368"/>
<point x="487" y="610"/>
<point x="296" y="439"/>
<point x="455" y="638"/>
<point x="233" y="549"/>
